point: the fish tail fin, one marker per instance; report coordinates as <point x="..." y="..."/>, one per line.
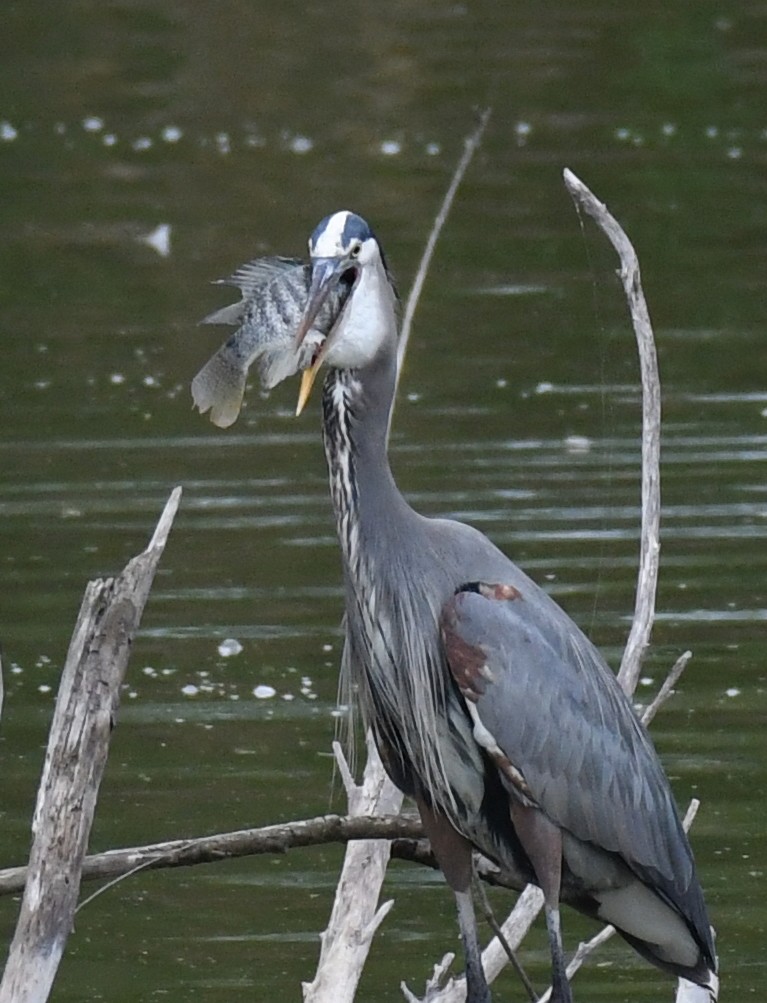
<point x="219" y="387"/>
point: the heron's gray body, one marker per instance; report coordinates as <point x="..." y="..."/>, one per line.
<point x="488" y="704"/>
<point x="555" y="708"/>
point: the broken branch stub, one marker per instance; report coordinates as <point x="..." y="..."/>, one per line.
<point x="77" y="751"/>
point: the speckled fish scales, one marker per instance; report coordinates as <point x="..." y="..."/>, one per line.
<point x="274" y="296"/>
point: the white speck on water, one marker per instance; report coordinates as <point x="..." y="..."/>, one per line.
<point x="190" y="690"/>
<point x="391" y="147"/>
<point x="735" y="153"/>
<point x="255" y="141"/>
<point x="223" y="142"/>
<point x="300" y="144"/>
<point x="646" y="681"/>
<point x="117" y="379"/>
<point x="523" y="130"/>
<point x="637" y="140"/>
<point x="234" y="696"/>
<point x="711" y="132"/>
<point x="7" y="132"/>
<point x="16" y="669"/>
<point x="44" y="688"/>
<point x="92" y="123"/>
<point x="306" y="680"/>
<point x="544" y="388"/>
<point x="433" y="149"/>
<point x="668" y="129"/>
<point x="168" y="672"/>
<point x="42" y="660"/>
<point x="288" y="696"/>
<point x="311" y="696"/>
<point x="203" y="674"/>
<point x="733" y="691"/>
<point x="413" y="397"/>
<point x="501" y="384"/>
<point x="142" y="143"/>
<point x="60" y="128"/>
<point x="171" y="134"/>
<point x="763" y="412"/>
<point x="109" y="139"/>
<point x="159" y="239"/>
<point x="42" y="384"/>
<point x="623" y="134"/>
<point x="149" y="671"/>
<point x="577" y="444"/>
<point x="229" y="647"/>
<point x="132" y="694"/>
<point x="149" y="381"/>
<point x="327" y="647"/>
<point x="264" y="692"/>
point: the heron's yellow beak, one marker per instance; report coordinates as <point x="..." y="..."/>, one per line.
<point x="307" y="382"/>
<point x="325" y="275"/>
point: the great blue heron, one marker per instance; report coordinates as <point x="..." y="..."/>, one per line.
<point x="488" y="705"/>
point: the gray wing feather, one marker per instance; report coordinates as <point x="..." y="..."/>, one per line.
<point x="558" y="714"/>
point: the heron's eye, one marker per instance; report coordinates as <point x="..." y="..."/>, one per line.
<point x="355" y="249"/>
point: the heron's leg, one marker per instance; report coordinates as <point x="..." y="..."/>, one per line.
<point x="542" y="842"/>
<point x="453" y="853"/>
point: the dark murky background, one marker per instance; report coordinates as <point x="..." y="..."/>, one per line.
<point x="235" y="127"/>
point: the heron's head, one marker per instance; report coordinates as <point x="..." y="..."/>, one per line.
<point x="342" y="249"/>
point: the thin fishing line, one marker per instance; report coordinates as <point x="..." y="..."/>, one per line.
<point x="605" y="407"/>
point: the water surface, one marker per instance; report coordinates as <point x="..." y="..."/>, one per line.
<point x="237" y="128"/>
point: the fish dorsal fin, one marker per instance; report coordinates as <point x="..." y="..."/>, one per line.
<point x="252" y="276"/>
<point x="250" y="279"/>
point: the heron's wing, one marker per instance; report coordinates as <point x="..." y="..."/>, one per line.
<point x="557" y="714"/>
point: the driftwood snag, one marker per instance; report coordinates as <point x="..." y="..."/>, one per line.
<point x="74" y="765"/>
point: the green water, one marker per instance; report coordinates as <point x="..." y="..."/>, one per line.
<point x="239" y="126"/>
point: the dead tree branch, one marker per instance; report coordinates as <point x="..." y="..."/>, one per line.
<point x="355" y="916"/>
<point x="278" y="838"/>
<point x="74" y="764"/>
<point x="649" y="555"/>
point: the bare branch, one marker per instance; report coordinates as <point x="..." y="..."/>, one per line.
<point x="644" y="608"/>
<point x="241" y="843"/>
<point x="470" y="147"/>
<point x="667" y="688"/>
<point x="355" y="916"/>
<point x="78" y="745"/>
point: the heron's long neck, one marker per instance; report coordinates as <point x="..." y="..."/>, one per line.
<point x="368" y="505"/>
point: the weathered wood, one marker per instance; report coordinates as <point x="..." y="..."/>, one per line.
<point x="356" y="915"/>
<point x="278" y="838"/>
<point x="77" y="750"/>
<point x="649" y="548"/>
